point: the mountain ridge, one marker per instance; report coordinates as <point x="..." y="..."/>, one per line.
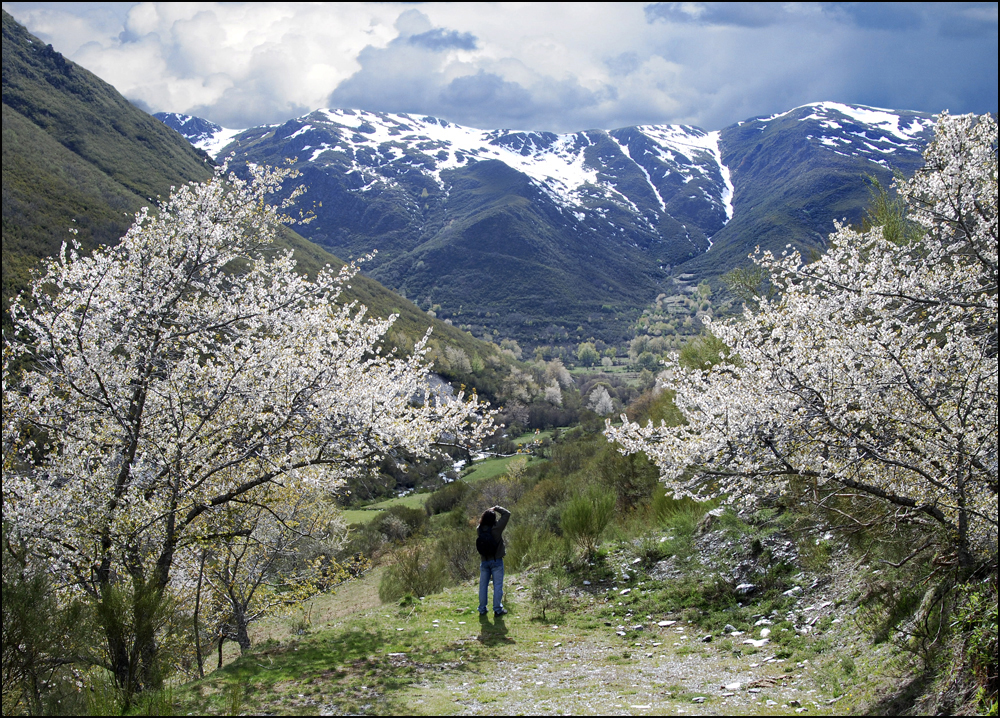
<point x="558" y="238"/>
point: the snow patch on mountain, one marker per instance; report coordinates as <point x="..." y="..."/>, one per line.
<point x="216" y="143"/>
<point x="884" y="120"/>
<point x="201" y="133"/>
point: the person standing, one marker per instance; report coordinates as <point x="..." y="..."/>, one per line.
<point x="489" y="543"/>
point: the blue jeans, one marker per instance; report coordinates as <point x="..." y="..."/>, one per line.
<point x="491" y="569"/>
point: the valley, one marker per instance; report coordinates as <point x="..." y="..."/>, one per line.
<point x="236" y="482"/>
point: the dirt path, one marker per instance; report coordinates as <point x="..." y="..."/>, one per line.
<point x="584" y="666"/>
<point x="608" y="653"/>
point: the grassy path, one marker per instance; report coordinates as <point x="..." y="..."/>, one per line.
<point x="436" y="656"/>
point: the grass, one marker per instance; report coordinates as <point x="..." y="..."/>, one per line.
<point x="367" y="514"/>
<point x="410" y="501"/>
<point x="491" y="468"/>
<point x="436" y="656"/>
<point x="481" y="470"/>
<point x="530" y="436"/>
<point x="358" y="516"/>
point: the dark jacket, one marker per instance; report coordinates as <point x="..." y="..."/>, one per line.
<point x="502" y="519"/>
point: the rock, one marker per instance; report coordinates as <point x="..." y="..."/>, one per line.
<point x="771" y="703"/>
<point x="728" y="694"/>
<point x="636" y="561"/>
<point x="666" y="624"/>
<point x="734" y="634"/>
<point x="706" y="639"/>
<point x="698" y="699"/>
<point x="793" y="591"/>
<point x="625" y="591"/>
<point x="803" y="709"/>
<point x="586" y="583"/>
<point x="733" y="686"/>
<point x="794" y="703"/>
<point x="638" y="627"/>
<point x="745" y="588"/>
<point x="765" y="632"/>
<point x="753" y="690"/>
<point x="763" y="622"/>
<point x="730" y="628"/>
<point x="556" y="644"/>
<point x="757" y="644"/>
<point x="620" y="633"/>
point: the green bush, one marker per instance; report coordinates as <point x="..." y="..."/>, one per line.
<point x="586" y="516"/>
<point x="456" y="548"/>
<point x="633" y="478"/>
<point x="446" y="498"/>
<point x="547" y="591"/>
<point x="40" y="640"/>
<point x="414" y="571"/>
<point x="527" y="546"/>
<point x="977" y="619"/>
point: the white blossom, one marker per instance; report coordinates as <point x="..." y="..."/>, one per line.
<point x="600" y="401"/>
<point x="875" y="367"/>
<point x="189" y="365"/>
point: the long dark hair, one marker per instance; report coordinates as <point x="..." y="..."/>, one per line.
<point x="489" y="519"/>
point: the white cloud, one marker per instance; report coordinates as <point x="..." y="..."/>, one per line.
<point x="555" y="66"/>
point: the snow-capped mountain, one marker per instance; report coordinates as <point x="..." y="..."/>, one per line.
<point x="201" y="133"/>
<point x="592" y="222"/>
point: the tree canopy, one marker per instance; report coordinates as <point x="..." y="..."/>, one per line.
<point x="873" y="367"/>
<point x="189" y="371"/>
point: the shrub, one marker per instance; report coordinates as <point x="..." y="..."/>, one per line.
<point x="633" y="477"/>
<point x="547" y="591"/>
<point x="456" y="548"/>
<point x="398" y="522"/>
<point x="528" y="545"/>
<point x="445" y="499"/>
<point x="586" y="517"/>
<point x="413" y="571"/>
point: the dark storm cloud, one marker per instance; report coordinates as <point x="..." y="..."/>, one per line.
<point x="484" y="90"/>
<point x="441" y="39"/>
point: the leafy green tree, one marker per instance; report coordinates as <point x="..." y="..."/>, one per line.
<point x="587" y="354"/>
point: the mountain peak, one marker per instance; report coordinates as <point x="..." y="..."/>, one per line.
<point x="521" y="227"/>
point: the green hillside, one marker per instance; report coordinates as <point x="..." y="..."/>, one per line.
<point x="77" y="154"/>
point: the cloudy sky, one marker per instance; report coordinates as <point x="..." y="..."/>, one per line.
<point x="540" y="66"/>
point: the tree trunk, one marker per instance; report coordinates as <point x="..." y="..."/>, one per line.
<point x="242" y="633"/>
<point x="197" y="607"/>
